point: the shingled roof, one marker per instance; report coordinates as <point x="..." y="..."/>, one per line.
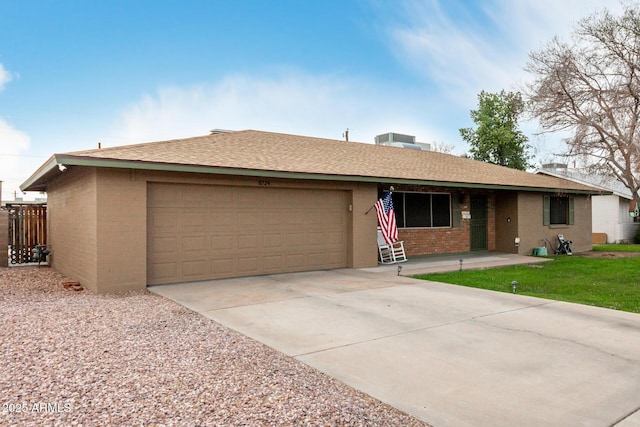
<point x="258" y="153"/>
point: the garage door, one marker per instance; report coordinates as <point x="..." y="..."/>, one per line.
<point x="200" y="232"/>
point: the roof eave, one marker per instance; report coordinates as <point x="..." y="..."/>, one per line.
<point x="603" y="191"/>
<point x="39" y="180"/>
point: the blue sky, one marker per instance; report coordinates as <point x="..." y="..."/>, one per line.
<point x="75" y="73"/>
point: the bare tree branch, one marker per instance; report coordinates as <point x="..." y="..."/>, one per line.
<point x="591" y="87"/>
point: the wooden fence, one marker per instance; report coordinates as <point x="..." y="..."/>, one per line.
<point x="27" y="228"/>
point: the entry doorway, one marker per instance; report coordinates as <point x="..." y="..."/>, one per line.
<point x="478" y="223"/>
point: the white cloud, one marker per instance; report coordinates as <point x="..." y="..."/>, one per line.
<point x="532" y="23"/>
<point x="454" y="55"/>
<point x="5" y="77"/>
<point x="14" y="168"/>
<point x="463" y="51"/>
<point x="13" y="145"/>
<point x="290" y="102"/>
<point x="466" y="51"/>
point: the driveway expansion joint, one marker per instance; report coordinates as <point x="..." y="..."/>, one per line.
<point x="425" y="328"/>
<point x="624" y="417"/>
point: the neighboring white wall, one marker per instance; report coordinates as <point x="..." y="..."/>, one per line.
<point x="610" y="214"/>
<point x="626" y="228"/>
<point x="605" y="216"/>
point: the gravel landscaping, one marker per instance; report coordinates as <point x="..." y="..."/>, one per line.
<point x="74" y="358"/>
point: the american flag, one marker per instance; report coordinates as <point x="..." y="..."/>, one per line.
<point x="387" y="218"/>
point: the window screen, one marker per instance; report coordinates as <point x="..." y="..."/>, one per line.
<point x="441" y="210"/>
<point x="417" y="210"/>
<point x="398" y="207"/>
<point x="559" y="210"/>
<point x="422" y="209"/>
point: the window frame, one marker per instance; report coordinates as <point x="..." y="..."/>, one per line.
<point x="402" y="209"/>
<point x="548" y="205"/>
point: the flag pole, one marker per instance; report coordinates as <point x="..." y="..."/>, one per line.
<point x="373" y="205"/>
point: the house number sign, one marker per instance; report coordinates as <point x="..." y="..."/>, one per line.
<point x="264" y="182"/>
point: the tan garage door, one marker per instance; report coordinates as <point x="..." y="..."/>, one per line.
<point x="199" y="232"/>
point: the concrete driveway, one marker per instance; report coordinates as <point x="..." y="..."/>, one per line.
<point x="449" y="355"/>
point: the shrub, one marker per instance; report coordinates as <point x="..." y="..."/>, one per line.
<point x="636" y="237"/>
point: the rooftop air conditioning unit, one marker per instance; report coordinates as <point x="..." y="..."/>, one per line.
<point x="395" y="137"/>
<point x="392" y="139"/>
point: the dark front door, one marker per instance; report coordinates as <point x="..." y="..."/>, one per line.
<point x="478" y="223"/>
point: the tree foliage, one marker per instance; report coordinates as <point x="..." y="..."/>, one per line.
<point x="497" y="138"/>
<point x="590" y="87"/>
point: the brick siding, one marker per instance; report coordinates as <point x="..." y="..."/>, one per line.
<point x="446" y="240"/>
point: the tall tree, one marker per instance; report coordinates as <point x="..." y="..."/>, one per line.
<point x="590" y="87"/>
<point x="497" y="138"/>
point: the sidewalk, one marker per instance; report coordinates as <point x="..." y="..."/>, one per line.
<point x="470" y="261"/>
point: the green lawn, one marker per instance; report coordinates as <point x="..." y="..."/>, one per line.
<point x="617" y="248"/>
<point x="609" y="283"/>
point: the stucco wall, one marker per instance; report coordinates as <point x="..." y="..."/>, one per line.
<point x="364" y="249"/>
<point x="506" y="222"/>
<point x="71" y="206"/>
<point x="98" y="222"/>
<point x="533" y="232"/>
<point x="121" y="230"/>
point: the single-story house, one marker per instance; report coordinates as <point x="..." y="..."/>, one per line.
<point x="244" y="203"/>
<point x="610" y="212"/>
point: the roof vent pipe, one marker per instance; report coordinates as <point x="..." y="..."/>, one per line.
<point x="217" y="131"/>
<point x="392" y="139"/>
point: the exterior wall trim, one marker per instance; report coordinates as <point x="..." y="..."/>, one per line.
<point x="37" y="182"/>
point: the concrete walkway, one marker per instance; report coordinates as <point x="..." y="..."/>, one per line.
<point x="450" y="355"/>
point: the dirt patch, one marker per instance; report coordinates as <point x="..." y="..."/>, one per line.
<point x="607" y="254"/>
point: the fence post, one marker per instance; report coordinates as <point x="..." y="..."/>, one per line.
<point x="4" y="238"/>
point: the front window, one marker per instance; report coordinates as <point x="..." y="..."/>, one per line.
<point x="559" y="210"/>
<point x="415" y="210"/>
